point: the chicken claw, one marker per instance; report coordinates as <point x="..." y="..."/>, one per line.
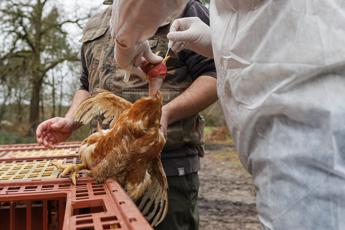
<point x="68" y="168"/>
<point x="74" y="177"/>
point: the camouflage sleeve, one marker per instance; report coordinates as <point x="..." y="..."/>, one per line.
<point x="84" y="78"/>
<point x="198" y="65"/>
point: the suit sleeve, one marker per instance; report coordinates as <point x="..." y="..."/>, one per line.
<point x="134" y="21"/>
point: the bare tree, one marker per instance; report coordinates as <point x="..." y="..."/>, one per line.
<point x="35" y="29"/>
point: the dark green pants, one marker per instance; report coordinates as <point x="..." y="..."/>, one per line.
<point x="183" y="208"/>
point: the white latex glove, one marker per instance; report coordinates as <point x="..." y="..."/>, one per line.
<point x="129" y="59"/>
<point x="190" y="33"/>
<point x="134" y="21"/>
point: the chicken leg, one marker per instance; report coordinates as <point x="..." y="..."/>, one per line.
<point x="66" y="168"/>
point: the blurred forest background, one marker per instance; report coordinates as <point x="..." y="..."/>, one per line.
<point x="40" y="69"/>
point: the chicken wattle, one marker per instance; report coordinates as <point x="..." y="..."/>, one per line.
<point x="156" y="74"/>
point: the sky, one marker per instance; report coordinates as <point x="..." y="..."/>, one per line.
<point x="75" y="9"/>
<point x="78" y="8"/>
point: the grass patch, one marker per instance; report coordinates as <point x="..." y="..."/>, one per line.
<point x="229" y="157"/>
<point x="217" y="135"/>
<point x="14" y="138"/>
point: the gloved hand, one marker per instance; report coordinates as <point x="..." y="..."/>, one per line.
<point x="130" y="59"/>
<point x="191" y="33"/>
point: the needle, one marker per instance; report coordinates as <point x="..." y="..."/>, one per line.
<point x="166" y="54"/>
<point x="170" y="44"/>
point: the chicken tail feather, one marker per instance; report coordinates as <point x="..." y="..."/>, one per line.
<point x="154" y="202"/>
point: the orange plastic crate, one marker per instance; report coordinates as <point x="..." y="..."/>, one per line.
<point x="34" y="151"/>
<point x="32" y="197"/>
<point x="34" y="146"/>
<point x="56" y="204"/>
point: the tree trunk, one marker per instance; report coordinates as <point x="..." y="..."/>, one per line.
<point x="4" y="104"/>
<point x="61" y="96"/>
<point x="53" y="96"/>
<point x="19" y="105"/>
<point x="36" y="78"/>
<point x="42" y="108"/>
<point x="19" y="111"/>
<point x="34" y="105"/>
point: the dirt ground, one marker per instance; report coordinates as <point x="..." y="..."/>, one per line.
<point x="226" y="196"/>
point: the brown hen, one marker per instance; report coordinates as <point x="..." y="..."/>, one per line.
<point x="129" y="151"/>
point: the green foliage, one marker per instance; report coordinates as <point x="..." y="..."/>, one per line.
<point x="14" y="138"/>
<point x="205" y="1"/>
<point x="213" y="115"/>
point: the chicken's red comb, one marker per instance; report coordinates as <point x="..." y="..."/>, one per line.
<point x="155" y="70"/>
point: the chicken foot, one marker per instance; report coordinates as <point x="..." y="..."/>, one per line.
<point x="65" y="168"/>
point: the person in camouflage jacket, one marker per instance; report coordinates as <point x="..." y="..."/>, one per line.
<point x="190" y="86"/>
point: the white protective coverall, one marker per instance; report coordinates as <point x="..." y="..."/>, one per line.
<point x="281" y="83"/>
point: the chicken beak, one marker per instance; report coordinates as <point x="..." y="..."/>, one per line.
<point x="154" y="85"/>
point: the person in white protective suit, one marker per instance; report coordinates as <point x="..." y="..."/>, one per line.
<point x="281" y="83"/>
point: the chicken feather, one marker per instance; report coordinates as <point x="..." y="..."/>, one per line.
<point x="103" y="103"/>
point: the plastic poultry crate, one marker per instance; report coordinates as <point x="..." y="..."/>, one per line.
<point x="22" y="147"/>
<point x="32" y="197"/>
<point x="19" y="146"/>
<point x="31" y="169"/>
<point x="33" y="151"/>
<point x="56" y="204"/>
<point x="39" y="153"/>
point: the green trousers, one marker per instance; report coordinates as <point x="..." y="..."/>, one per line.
<point x="182" y="208"/>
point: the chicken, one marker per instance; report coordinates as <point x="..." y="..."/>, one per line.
<point x="129" y="151"/>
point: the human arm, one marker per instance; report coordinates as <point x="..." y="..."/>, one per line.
<point x="78" y="98"/>
<point x="134" y="21"/>
<point x="199" y="95"/>
<point x="58" y="129"/>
